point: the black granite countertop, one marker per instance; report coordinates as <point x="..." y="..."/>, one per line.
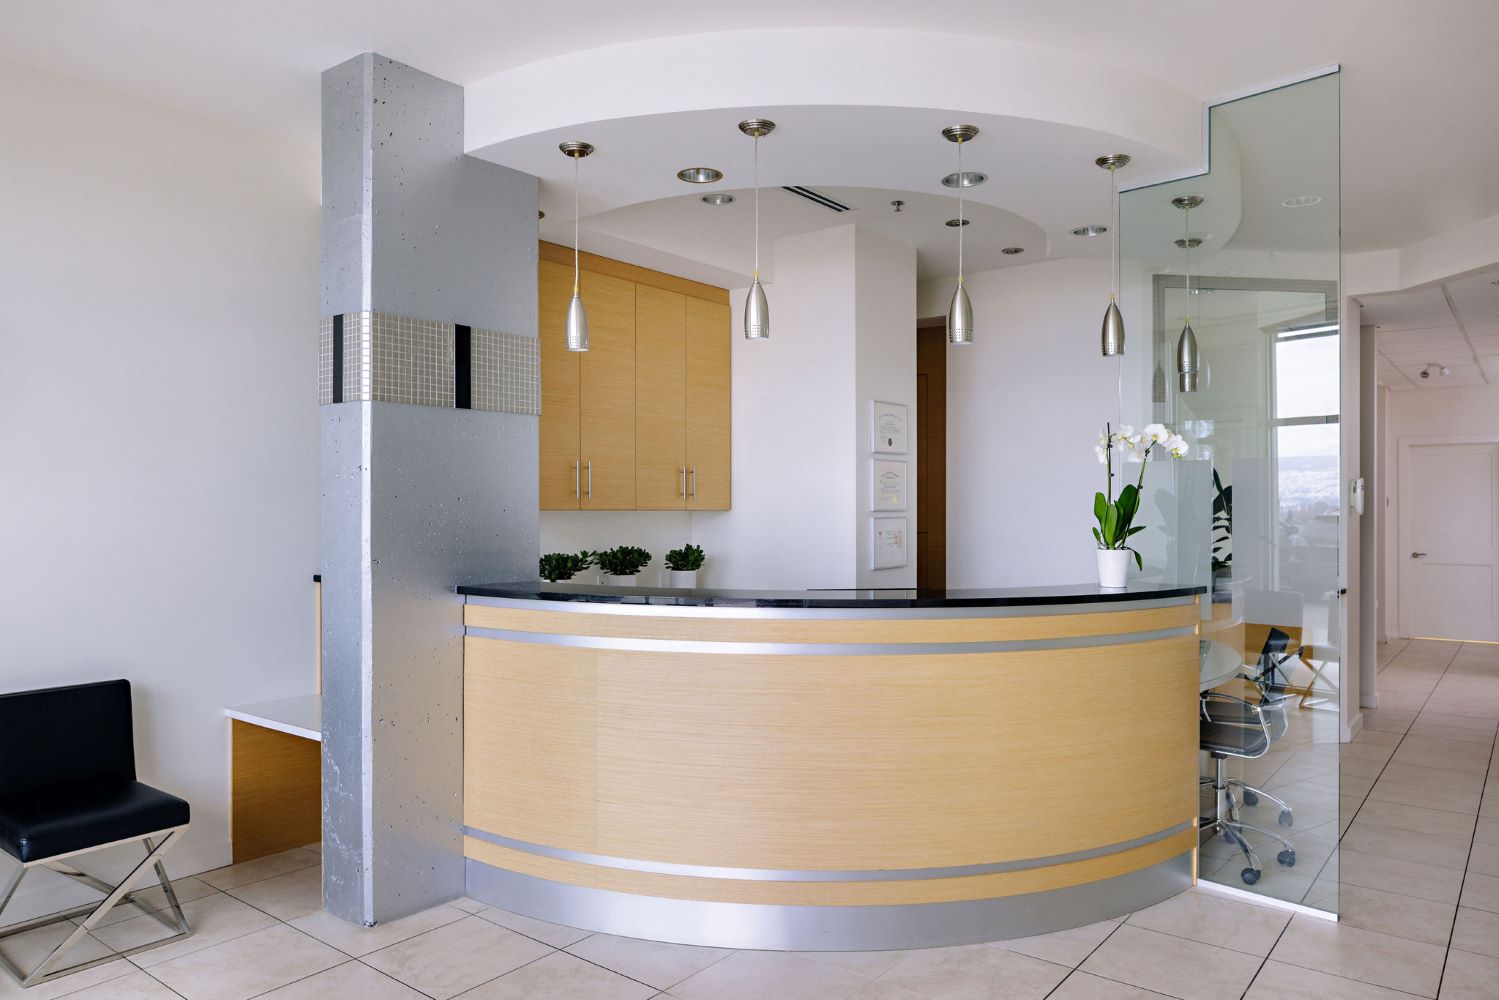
<point x="1083" y="593"/>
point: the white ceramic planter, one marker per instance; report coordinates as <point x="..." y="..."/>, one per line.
<point x="618" y="581"/>
<point x="684" y="578"/>
<point x="1113" y="568"/>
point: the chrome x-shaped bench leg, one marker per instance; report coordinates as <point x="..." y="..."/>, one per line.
<point x="48" y="968"/>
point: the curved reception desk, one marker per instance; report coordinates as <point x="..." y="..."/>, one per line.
<point x="829" y="770"/>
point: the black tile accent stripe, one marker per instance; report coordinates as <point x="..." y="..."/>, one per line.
<point x="338" y="358"/>
<point x="463" y="369"/>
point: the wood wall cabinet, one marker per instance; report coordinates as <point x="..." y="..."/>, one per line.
<point x="641" y="420"/>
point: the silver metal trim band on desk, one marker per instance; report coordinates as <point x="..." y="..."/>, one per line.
<point x="823" y="648"/>
<point x="823" y="614"/>
<point x="827" y="928"/>
<point x="818" y="875"/>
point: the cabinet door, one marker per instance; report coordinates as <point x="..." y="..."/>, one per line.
<point x="606" y="433"/>
<point x="660" y="399"/>
<point x="709" y="459"/>
<point x="559" y="390"/>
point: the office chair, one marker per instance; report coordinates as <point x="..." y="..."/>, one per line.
<point x="68" y="788"/>
<point x="1238" y="729"/>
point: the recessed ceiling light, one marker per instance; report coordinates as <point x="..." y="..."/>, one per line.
<point x="1303" y="201"/>
<point x="971" y="178"/>
<point x="1012" y="251"/>
<point x="699" y="175"/>
<point x="955" y="223"/>
<point x="1090" y="230"/>
<point x="718" y="199"/>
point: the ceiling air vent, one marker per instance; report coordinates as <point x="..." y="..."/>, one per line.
<point x="818" y="199"/>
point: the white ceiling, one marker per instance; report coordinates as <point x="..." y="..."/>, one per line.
<point x="1453" y="324"/>
<point x="1418" y="84"/>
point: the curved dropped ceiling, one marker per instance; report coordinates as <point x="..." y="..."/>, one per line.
<point x="854" y="106"/>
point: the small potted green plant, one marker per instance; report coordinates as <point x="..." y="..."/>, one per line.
<point x="620" y="565"/>
<point x="563" y="565"/>
<point x="683" y="565"/>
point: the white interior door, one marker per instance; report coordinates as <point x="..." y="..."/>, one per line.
<point x="1449" y="532"/>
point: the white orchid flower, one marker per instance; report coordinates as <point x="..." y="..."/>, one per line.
<point x="1157" y="433"/>
<point x="1102" y="453"/>
<point x="1178" y="446"/>
<point x="1126" y="431"/>
<point x="1134" y="455"/>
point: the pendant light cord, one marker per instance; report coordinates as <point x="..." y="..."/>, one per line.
<point x="1187" y="248"/>
<point x="960" y="211"/>
<point x="757" y="204"/>
<point x="575" y="224"/>
<point x="1114" y="221"/>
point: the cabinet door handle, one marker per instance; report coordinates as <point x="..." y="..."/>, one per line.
<point x="1417" y="555"/>
<point x="577" y="491"/>
<point x="693" y="494"/>
<point x="590" y="480"/>
<point x="683" y="471"/>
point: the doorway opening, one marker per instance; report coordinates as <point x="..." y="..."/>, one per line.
<point x="931" y="457"/>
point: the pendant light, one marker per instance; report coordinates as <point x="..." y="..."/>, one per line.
<point x="1111" y="336"/>
<point x="577" y="316"/>
<point x="756" y="308"/>
<point x="1188" y="358"/>
<point x="960" y="312"/>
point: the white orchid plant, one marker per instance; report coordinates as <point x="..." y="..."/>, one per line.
<point x="1116" y="515"/>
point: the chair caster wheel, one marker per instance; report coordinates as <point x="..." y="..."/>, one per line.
<point x="1287" y="858"/>
<point x="1286" y="819"/>
<point x="1250" y="876"/>
<point x="1250" y="799"/>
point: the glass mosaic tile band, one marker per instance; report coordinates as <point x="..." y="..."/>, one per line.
<point x="396" y="359"/>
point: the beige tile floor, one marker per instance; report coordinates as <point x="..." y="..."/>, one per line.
<point x="1418" y="880"/>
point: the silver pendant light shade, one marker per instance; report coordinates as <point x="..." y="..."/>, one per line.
<point x="757" y="313"/>
<point x="1188" y="360"/>
<point x="1111" y="335"/>
<point x="1188" y="357"/>
<point x="960" y="312"/>
<point x="960" y="318"/>
<point x="577" y="316"/>
<point x="756" y="306"/>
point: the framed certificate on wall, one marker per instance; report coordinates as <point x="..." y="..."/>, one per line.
<point x="888" y="548"/>
<point x="887" y="485"/>
<point x="889" y="430"/>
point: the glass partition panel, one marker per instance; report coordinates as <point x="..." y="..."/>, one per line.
<point x="1252" y="268"/>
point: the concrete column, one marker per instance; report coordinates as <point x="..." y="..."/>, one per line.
<point x="430" y="389"/>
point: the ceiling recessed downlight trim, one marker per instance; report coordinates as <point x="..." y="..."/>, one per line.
<point x="955" y="223"/>
<point x="700" y="175"/>
<point x="1087" y="232"/>
<point x="1012" y="251"/>
<point x="1302" y="201"/>
<point x="718" y="198"/>
<point x="971" y="178"/>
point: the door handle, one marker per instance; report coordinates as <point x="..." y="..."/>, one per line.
<point x="693" y="494"/>
<point x="577" y="492"/>
<point x="1417" y="555"/>
<point x="590" y="480"/>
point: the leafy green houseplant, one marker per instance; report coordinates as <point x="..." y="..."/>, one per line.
<point x="563" y="565"/>
<point x="1116" y="514"/>
<point x="621" y="564"/>
<point x="1223" y="526"/>
<point x="684" y="564"/>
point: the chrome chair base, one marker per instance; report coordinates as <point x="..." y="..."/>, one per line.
<point x="1226" y="823"/>
<point x="1252" y="795"/>
<point x="48" y="968"/>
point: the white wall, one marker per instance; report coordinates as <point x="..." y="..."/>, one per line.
<point x="1425" y="413"/>
<point x="885" y="370"/>
<point x="1025" y="403"/>
<point x="794" y="460"/>
<point x="158" y="422"/>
